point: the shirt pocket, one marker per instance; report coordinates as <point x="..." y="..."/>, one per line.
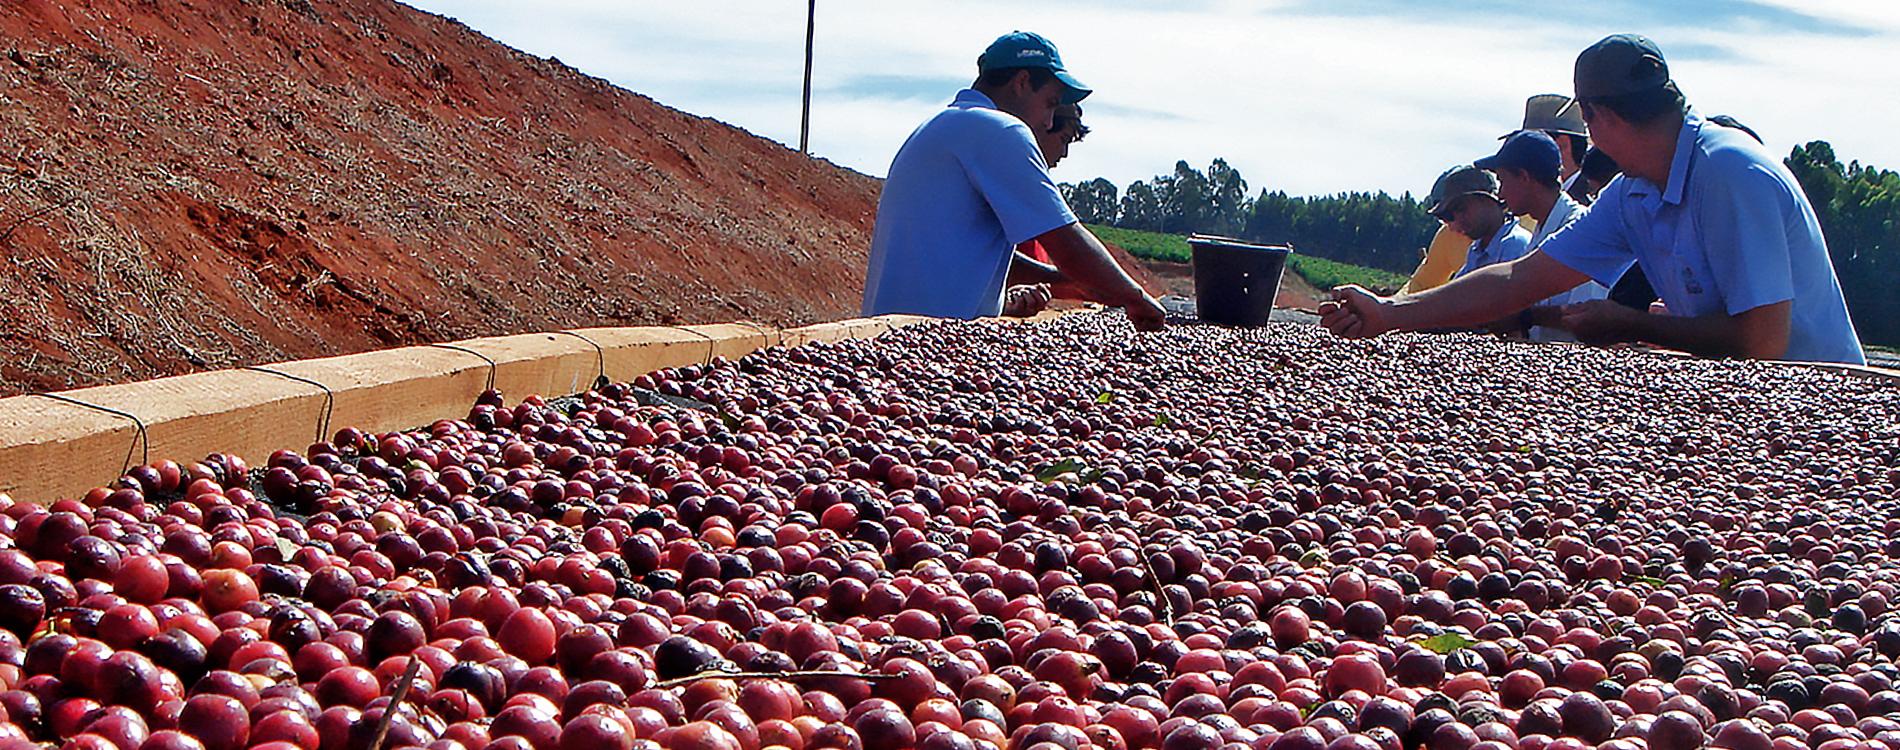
<point x="1690" y="273"/>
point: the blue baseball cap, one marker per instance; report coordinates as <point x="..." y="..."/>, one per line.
<point x="1023" y="49"/>
<point x="1529" y="150"/>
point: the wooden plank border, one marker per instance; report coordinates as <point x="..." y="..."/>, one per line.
<point x="52" y="449"/>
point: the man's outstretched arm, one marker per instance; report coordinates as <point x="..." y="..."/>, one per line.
<point x="1026" y="270"/>
<point x="1082" y="258"/>
<point x="1474" y="299"/>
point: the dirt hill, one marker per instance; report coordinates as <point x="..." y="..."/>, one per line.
<point x="193" y="184"/>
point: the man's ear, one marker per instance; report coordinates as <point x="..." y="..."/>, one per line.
<point x="1021" y="83"/>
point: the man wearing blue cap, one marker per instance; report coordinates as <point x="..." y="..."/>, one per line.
<point x="970" y="184"/>
<point x="1529" y="167"/>
<point x="1716" y="222"/>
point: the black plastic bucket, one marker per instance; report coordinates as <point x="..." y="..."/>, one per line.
<point x="1235" y="282"/>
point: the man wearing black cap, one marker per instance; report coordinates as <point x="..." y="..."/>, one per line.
<point x="1528" y="167"/>
<point x="970" y="184"/>
<point x="1717" y="223"/>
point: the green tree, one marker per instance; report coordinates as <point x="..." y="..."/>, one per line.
<point x="1141" y="208"/>
<point x="1859" y="210"/>
<point x="1186" y="200"/>
<point x="1094" y="202"/>
<point x="1227" y="194"/>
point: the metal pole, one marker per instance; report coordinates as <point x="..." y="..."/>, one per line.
<point x="804" y="120"/>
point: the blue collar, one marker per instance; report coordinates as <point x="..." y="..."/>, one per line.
<point x="968" y="98"/>
<point x="1686" y="145"/>
<point x="1685" y="148"/>
<point x="1504" y="230"/>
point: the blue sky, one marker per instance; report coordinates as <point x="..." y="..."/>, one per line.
<point x="1307" y="96"/>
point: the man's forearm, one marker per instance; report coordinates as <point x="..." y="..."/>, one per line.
<point x="1026" y="270"/>
<point x="1708" y="335"/>
<point x="1473" y="300"/>
<point x="1082" y="258"/>
<point x="1714" y="335"/>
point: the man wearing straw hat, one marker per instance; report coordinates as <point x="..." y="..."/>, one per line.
<point x="1560" y="117"/>
<point x="1719" y="225"/>
<point x="970" y="184"/>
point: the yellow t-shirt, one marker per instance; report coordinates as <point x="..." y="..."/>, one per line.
<point x="1442" y="259"/>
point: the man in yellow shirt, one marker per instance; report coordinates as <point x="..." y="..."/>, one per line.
<point x="1442" y="259"/>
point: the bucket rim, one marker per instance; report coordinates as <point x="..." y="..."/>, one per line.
<point x="1230" y="243"/>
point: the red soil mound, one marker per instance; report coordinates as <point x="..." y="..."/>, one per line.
<point x="218" y="183"/>
<point x="199" y="185"/>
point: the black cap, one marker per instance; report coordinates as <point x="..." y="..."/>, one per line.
<point x="1618" y="65"/>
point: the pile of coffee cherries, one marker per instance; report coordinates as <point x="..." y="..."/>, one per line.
<point x="1001" y="536"/>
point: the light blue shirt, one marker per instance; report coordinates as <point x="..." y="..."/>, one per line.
<point x="966" y="188"/>
<point x="1563" y="214"/>
<point x="1731" y="232"/>
<point x="1510" y="243"/>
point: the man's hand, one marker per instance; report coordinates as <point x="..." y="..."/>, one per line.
<point x="1600" y="322"/>
<point x="1355" y="313"/>
<point x="1544" y="315"/>
<point x="1760" y="333"/>
<point x="1026" y="300"/>
<point x="1084" y="261"/>
<point x="1146" y="314"/>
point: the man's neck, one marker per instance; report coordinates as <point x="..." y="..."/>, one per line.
<point x="1657" y="153"/>
<point x="1484" y="237"/>
<point x="1567" y="164"/>
<point x="1545" y="204"/>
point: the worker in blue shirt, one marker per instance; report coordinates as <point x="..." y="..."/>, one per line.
<point x="1716" y="222"/>
<point x="1466" y="199"/>
<point x="970" y="184"/>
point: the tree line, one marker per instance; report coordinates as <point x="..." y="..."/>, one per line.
<point x="1858" y="207"/>
<point x="1367" y="229"/>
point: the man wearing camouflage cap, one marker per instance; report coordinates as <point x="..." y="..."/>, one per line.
<point x="1466" y="199"/>
<point x="1717" y="223"/>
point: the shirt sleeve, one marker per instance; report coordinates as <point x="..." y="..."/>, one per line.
<point x="1445" y="256"/>
<point x="1007" y="169"/>
<point x="1516" y="244"/>
<point x="1743" y="221"/>
<point x="1594" y="245"/>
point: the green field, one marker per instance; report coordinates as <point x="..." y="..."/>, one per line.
<point x="1320" y="272"/>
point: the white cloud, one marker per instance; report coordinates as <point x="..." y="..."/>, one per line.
<point x="1298" y="101"/>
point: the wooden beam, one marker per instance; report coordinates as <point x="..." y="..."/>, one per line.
<point x="52" y="449"/>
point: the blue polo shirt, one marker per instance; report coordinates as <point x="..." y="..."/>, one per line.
<point x="966" y="188"/>
<point x="1509" y="243"/>
<point x="1731" y="232"/>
